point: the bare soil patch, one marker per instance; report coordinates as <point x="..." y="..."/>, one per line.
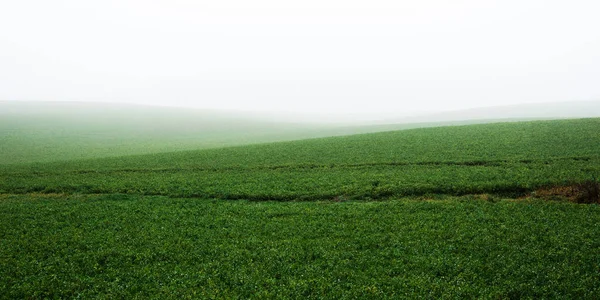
<point x="586" y="192"/>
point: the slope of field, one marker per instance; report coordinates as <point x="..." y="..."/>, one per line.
<point x="58" y="131"/>
<point x="504" y="158"/>
<point x="42" y="132"/>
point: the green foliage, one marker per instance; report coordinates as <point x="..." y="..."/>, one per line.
<point x="54" y="131"/>
<point x="82" y="134"/>
<point x="507" y="159"/>
<point x="120" y="246"/>
<point x="103" y="229"/>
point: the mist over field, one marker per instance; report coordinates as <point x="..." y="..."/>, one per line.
<point x="48" y="131"/>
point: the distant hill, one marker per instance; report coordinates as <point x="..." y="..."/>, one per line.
<point x="558" y="110"/>
<point x="49" y="131"/>
<point x="53" y="131"/>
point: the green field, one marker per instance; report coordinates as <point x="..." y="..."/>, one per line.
<point x="155" y="247"/>
<point x="447" y="212"/>
<point x="43" y="132"/>
<point x="509" y="159"/>
<point x="53" y="131"/>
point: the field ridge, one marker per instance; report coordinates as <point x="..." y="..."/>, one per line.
<point x="319" y="166"/>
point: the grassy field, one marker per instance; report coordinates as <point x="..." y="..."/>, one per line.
<point x="119" y="246"/>
<point x="510" y="159"/>
<point x="43" y="132"/>
<point x="466" y="215"/>
<point x="60" y="131"/>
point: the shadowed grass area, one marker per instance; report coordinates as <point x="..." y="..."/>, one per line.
<point x="124" y="246"/>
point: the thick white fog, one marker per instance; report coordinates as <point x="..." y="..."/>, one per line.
<point x="326" y="56"/>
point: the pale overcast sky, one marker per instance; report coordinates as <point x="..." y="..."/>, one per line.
<point x="332" y="56"/>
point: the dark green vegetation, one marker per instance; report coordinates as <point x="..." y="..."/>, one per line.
<point x="509" y="159"/>
<point x="119" y="246"/>
<point x="159" y="225"/>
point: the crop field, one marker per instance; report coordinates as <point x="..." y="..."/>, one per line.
<point x="46" y="132"/>
<point x="477" y="211"/>
<point x="43" y="132"/>
<point x="510" y="159"/>
<point x="119" y="246"/>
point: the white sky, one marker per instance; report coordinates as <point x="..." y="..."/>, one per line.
<point x="327" y="56"/>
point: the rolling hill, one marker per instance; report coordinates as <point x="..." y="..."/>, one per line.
<point x="54" y="131"/>
<point x="502" y="158"/>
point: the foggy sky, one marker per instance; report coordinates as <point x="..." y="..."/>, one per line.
<point x="303" y="56"/>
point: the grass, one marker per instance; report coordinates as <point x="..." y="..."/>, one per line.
<point x="509" y="159"/>
<point x="120" y="246"/>
<point x="53" y="131"/>
<point x="45" y="132"/>
<point x="162" y="225"/>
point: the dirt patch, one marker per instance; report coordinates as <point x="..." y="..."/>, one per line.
<point x="586" y="192"/>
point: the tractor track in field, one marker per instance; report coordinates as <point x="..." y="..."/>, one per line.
<point x="309" y="166"/>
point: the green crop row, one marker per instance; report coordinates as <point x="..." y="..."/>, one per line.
<point x="356" y="182"/>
